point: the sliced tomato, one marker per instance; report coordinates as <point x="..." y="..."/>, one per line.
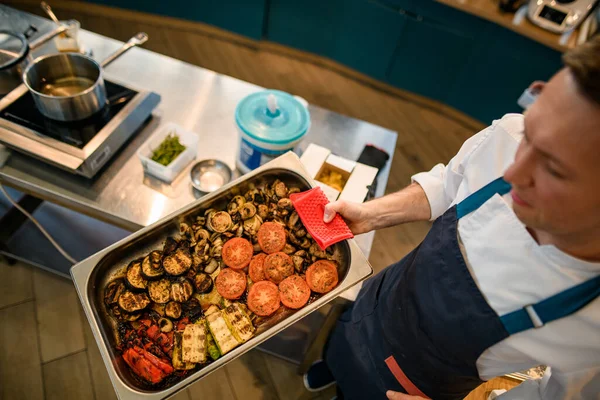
<point x="237" y="253"/>
<point x="322" y="276"/>
<point x="263" y="298"/>
<point x="257" y="268"/>
<point x="294" y="292"/>
<point x="278" y="266"/>
<point x="271" y="237"/>
<point x="231" y="283"/>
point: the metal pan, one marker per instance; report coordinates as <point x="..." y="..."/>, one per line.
<point x="91" y="275"/>
<point x="70" y="86"/>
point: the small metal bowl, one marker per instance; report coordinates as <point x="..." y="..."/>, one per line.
<point x="209" y="175"/>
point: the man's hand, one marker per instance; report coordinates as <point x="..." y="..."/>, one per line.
<point x="355" y="215"/>
<point x="401" y="396"/>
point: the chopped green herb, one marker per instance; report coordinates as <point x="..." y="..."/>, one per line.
<point x="168" y="150"/>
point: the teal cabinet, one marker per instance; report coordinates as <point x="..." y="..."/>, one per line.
<point x="359" y="34"/>
<point x="429" y="57"/>
<point x="501" y="66"/>
<point x="240" y="16"/>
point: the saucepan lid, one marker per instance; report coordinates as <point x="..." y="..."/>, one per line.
<point x="13" y="48"/>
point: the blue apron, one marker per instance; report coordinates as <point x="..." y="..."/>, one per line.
<point x="423" y="321"/>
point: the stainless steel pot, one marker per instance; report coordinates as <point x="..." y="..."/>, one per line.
<point x="70" y="86"/>
<point x="15" y="56"/>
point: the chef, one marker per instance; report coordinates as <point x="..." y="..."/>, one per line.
<point x="508" y="278"/>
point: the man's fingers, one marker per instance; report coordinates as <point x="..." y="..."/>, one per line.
<point x="401" y="396"/>
<point x="331" y="209"/>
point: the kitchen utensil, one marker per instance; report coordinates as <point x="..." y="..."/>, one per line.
<point x="310" y="206"/>
<point x="91" y="276"/>
<point x="70" y="86"/>
<point x="560" y="15"/>
<point x="270" y="123"/>
<point x="209" y="175"/>
<point x="15" y="55"/>
<point x="46" y="7"/>
<point x="169" y="172"/>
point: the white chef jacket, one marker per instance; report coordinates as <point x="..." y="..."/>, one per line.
<point x="512" y="271"/>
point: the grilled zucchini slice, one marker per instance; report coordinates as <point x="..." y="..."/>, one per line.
<point x="160" y="291"/>
<point x="238" y="320"/>
<point x="220" y="331"/>
<point x="134" y="276"/>
<point x="152" y="266"/>
<point x="133" y="302"/>
<point x="177" y="359"/>
<point x="194" y="346"/>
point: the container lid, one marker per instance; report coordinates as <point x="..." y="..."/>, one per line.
<point x="272" y="117"/>
<point x="13" y="48"/>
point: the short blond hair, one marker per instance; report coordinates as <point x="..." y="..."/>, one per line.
<point x="584" y="63"/>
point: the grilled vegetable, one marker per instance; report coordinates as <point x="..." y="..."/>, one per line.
<point x="213" y="350"/>
<point x="124" y="316"/>
<point x="181" y="290"/>
<point x="219" y="221"/>
<point x="134" y="276"/>
<point x="165" y="325"/>
<point x="169" y="246"/>
<point x="160" y="291"/>
<point x="177" y="359"/>
<point x="238" y="320"/>
<point x="211" y="266"/>
<point x="113" y="291"/>
<point x="192" y="309"/>
<point x="168" y="150"/>
<point x="224" y="339"/>
<point x="211" y="310"/>
<point x="133" y="302"/>
<point x="158" y="308"/>
<point x="179" y="261"/>
<point x="203" y="282"/>
<point x="173" y="310"/>
<point x="151" y="266"/>
<point x="194" y="344"/>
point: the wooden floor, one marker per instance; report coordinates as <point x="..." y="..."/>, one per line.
<point x="41" y="312"/>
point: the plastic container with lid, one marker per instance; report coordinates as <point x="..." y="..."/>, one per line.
<point x="270" y="123"/>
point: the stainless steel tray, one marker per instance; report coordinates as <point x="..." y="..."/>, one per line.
<point x="90" y="277"/>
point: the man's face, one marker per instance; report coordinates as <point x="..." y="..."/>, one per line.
<point x="556" y="172"/>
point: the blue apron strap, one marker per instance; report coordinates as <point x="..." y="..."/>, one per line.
<point x="475" y="200"/>
<point x="558" y="306"/>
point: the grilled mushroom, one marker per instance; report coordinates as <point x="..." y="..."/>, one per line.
<point x="179" y="261"/>
<point x="316" y="251"/>
<point x="293" y="190"/>
<point x="113" y="291"/>
<point x="252" y="225"/>
<point x="235" y="204"/>
<point x="160" y="291"/>
<point x="173" y="310"/>
<point x="299" y="263"/>
<point x="151" y="266"/>
<point x="134" y="276"/>
<point x="294" y="222"/>
<point x="201" y="237"/>
<point x="219" y="221"/>
<point x="203" y="282"/>
<point x="181" y="290"/>
<point x="263" y="211"/>
<point x="280" y="189"/>
<point x="165" y="325"/>
<point x="133" y="302"/>
<point x="247" y="211"/>
<point x="256" y="196"/>
<point x="285" y="204"/>
<point x="289" y="249"/>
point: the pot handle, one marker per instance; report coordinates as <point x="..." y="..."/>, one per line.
<point x="138" y="39"/>
<point x="43" y="39"/>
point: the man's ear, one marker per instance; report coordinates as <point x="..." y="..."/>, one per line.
<point x="537" y="86"/>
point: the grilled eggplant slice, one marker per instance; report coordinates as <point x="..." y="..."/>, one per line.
<point x="123" y="316"/>
<point x="134" y="276"/>
<point x="160" y="291"/>
<point x="179" y="261"/>
<point x="194" y="346"/>
<point x="181" y="290"/>
<point x="203" y="282"/>
<point x="173" y="310"/>
<point x="177" y="361"/>
<point x="241" y="325"/>
<point x="133" y="302"/>
<point x="151" y="266"/>
<point x="158" y="308"/>
<point x="169" y="246"/>
<point x="113" y="291"/>
<point x="221" y="333"/>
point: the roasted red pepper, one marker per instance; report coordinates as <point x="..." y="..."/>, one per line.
<point x="153" y="331"/>
<point x="143" y="367"/>
<point x="182" y="323"/>
<point x="163" y="365"/>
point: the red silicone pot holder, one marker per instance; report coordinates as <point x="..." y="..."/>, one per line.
<point x="310" y="206"/>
